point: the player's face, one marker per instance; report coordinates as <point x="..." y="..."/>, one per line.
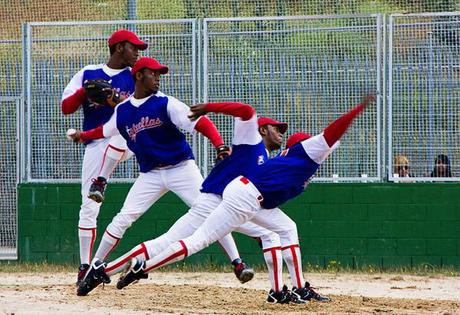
<point x="272" y="137"/>
<point x="151" y="80"/>
<point x="130" y="54"/>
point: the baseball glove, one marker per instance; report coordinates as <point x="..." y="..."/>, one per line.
<point x="100" y="92"/>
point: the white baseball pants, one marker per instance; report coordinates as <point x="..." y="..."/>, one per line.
<point x="184" y="179"/>
<point x="203" y="206"/>
<point x="93" y="160"/>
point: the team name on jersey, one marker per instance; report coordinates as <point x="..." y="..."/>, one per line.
<point x="123" y="94"/>
<point x="145" y="123"/>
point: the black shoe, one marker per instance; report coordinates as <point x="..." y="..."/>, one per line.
<point x="96" y="191"/>
<point x="243" y="272"/>
<point x="296" y="299"/>
<point x="94" y="277"/>
<point x="281" y="297"/>
<point x="81" y="273"/>
<point x="134" y="274"/>
<point x="307" y="293"/>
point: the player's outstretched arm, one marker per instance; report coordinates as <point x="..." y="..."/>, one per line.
<point x="335" y="130"/>
<point x="79" y="136"/>
<point x="241" y="110"/>
<point x="107" y="130"/>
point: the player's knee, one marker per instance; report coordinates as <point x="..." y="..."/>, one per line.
<point x="120" y="224"/>
<point x="289" y="235"/>
<point x="270" y="240"/>
<point x="126" y="155"/>
<point x="88" y="217"/>
<point x="115" y="153"/>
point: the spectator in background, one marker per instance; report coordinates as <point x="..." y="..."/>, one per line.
<point x="401" y="166"/>
<point x="441" y="166"/>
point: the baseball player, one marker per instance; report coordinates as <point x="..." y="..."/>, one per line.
<point x="97" y="89"/>
<point x="149" y="121"/>
<point x="248" y="152"/>
<point x="254" y="198"/>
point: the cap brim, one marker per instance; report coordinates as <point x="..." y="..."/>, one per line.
<point x="140" y="44"/>
<point x="281" y="126"/>
<point x="162" y="69"/>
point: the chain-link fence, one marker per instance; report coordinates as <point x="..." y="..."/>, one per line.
<point x="16" y="12"/>
<point x="9" y="107"/>
<point x="289" y="68"/>
<point x="303" y="71"/>
<point x="56" y="51"/>
<point x="424" y="97"/>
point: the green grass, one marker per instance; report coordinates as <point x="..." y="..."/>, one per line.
<point x="332" y="268"/>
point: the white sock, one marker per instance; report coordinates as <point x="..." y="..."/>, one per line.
<point x="108" y="243"/>
<point x="228" y="245"/>
<point x="120" y="264"/>
<point x="175" y="252"/>
<point x="112" y="157"/>
<point x="291" y="255"/>
<point x="86" y="239"/>
<point x="274" y="261"/>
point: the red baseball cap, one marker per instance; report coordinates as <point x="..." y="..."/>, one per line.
<point x="126" y="36"/>
<point x="296" y="138"/>
<point x="150" y="63"/>
<point x="262" y="121"/>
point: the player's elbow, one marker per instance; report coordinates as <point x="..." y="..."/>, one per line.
<point x="248" y="112"/>
<point x="67" y="108"/>
<point x="64" y="110"/>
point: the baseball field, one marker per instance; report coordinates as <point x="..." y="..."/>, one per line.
<point x="221" y="293"/>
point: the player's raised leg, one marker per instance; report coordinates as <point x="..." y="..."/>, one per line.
<point x="115" y="152"/>
<point x="186" y="184"/>
<point x="89" y="209"/>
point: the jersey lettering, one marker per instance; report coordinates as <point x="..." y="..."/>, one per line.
<point x="145" y="123"/>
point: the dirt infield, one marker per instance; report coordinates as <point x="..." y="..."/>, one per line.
<point x="221" y="293"/>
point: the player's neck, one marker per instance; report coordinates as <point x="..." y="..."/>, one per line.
<point x="115" y="63"/>
<point x="139" y="94"/>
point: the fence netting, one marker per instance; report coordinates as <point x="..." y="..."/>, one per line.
<point x="425" y="97"/>
<point x="8" y="176"/>
<point x="16" y="12"/>
<point x="305" y="72"/>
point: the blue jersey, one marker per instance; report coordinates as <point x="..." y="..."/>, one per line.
<point x="150" y="127"/>
<point x="248" y="152"/>
<point x="121" y="80"/>
<point x="285" y="177"/>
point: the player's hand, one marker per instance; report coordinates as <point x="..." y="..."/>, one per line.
<point x="368" y="99"/>
<point x="113" y="97"/>
<point x="74" y="135"/>
<point x="99" y="91"/>
<point x="223" y="151"/>
<point x="197" y="111"/>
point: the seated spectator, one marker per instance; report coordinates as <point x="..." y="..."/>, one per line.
<point x="441" y="167"/>
<point x="401" y="166"/>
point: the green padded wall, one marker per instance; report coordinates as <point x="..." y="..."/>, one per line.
<point x="382" y="224"/>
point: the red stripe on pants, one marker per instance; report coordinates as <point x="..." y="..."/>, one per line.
<point x="181" y="252"/>
<point x="123" y="261"/>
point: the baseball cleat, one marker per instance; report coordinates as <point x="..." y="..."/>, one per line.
<point x="281" y="297"/>
<point x="243" y="272"/>
<point x="81" y="273"/>
<point x="134" y="274"/>
<point x="307" y="293"/>
<point x="96" y="191"/>
<point x="94" y="277"/>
